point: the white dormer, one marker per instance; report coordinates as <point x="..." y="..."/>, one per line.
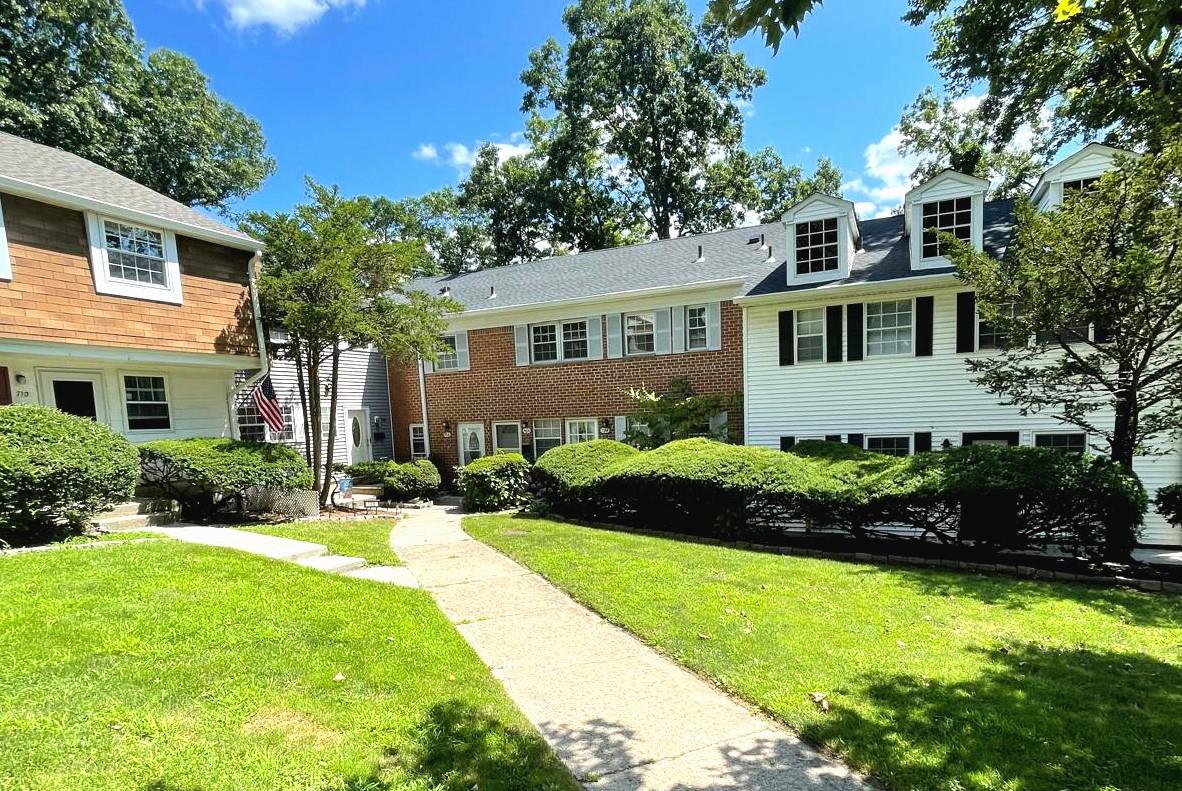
<point x="822" y="237"/>
<point x="1078" y="171"/>
<point x="949" y="201"/>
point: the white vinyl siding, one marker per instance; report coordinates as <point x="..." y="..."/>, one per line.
<point x="898" y="396"/>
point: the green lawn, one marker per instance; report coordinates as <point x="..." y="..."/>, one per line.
<point x="937" y="680"/>
<point x="163" y="666"/>
<point x="366" y="538"/>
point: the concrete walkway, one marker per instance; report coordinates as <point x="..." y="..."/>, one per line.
<point x="303" y="553"/>
<point x="619" y="714"/>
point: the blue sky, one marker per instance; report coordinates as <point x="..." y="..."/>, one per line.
<point x="390" y="96"/>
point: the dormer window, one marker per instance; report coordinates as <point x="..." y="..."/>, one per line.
<point x="132" y="260"/>
<point x="816" y="246"/>
<point x="1079" y="185"/>
<point x="1078" y="172"/>
<point x="950" y="216"/>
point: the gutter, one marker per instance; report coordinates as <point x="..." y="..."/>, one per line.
<point x="894" y="284"/>
<point x="265" y="367"/>
<point x="423" y="406"/>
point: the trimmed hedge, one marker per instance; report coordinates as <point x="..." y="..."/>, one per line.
<point x="1169" y="502"/>
<point x="57" y="471"/>
<point x="368" y="472"/>
<point x="494" y="483"/>
<point x="411" y="481"/>
<point x="208" y="475"/>
<point x="1002" y="497"/>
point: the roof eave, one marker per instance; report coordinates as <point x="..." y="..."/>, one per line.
<point x="893" y="284"/>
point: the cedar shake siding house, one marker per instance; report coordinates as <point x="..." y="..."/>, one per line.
<point x="865" y="341"/>
<point x="118" y="303"/>
<point x="543" y="350"/>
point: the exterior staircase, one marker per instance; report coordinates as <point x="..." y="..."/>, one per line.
<point x="137" y="514"/>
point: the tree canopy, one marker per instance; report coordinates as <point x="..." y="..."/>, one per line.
<point x="73" y="75"/>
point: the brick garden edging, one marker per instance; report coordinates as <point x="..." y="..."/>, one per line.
<point x="1007" y="569"/>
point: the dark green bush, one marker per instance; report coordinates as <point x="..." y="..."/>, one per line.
<point x="1169" y="502"/>
<point x="369" y="472"/>
<point x="209" y="475"/>
<point x="57" y="471"/>
<point x="566" y="478"/>
<point x="411" y="481"/>
<point x="494" y="483"/>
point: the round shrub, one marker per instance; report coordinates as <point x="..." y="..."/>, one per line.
<point x="566" y="478"/>
<point x="1169" y="502"/>
<point x="208" y="475"/>
<point x="368" y="472"/>
<point x="411" y="481"/>
<point x="494" y="483"/>
<point x="57" y="471"/>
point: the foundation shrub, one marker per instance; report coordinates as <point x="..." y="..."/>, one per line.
<point x="567" y="478"/>
<point x="494" y="483"/>
<point x="414" y="480"/>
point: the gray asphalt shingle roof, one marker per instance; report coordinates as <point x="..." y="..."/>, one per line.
<point x="672" y="263"/>
<point x="51" y="168"/>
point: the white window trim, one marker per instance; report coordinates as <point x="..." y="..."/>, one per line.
<point x="824" y="340"/>
<point x="686" y="329"/>
<point x="411" y="435"/>
<point x="842" y="253"/>
<point x="167" y="401"/>
<point x="567" y="432"/>
<point x="909" y="437"/>
<point x="455" y="350"/>
<point x="557" y="325"/>
<point x="1034" y="435"/>
<point x="99" y="265"/>
<point x="5" y="259"/>
<point x="520" y="438"/>
<point x="866" y="334"/>
<point x="976" y="228"/>
<point x="533" y="433"/>
<point x="651" y="316"/>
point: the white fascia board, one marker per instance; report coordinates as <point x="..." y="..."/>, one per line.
<point x="69" y="200"/>
<point x="850" y="290"/>
<point x="79" y="351"/>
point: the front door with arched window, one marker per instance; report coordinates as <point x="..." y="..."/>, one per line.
<point x="471" y="442"/>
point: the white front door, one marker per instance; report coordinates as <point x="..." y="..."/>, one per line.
<point x="77" y="392"/>
<point x="471" y="442"/>
<point x="357" y="429"/>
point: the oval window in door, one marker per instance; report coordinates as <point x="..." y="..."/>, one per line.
<point x="356" y="433"/>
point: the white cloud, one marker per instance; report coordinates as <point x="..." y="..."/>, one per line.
<point x="885" y="179"/>
<point x="426" y="152"/>
<point x="284" y="16"/>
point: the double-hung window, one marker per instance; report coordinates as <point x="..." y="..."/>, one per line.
<point x="816" y="246"/>
<point x="1068" y="442"/>
<point x="990" y="337"/>
<point x="580" y="430"/>
<point x="695" y="327"/>
<point x="810" y="335"/>
<point x="147" y="403"/>
<point x="544" y="343"/>
<point x="251" y="427"/>
<point x="449" y="358"/>
<point x="547" y="435"/>
<point x="954" y="216"/>
<point x="418" y="441"/>
<point x="891" y="446"/>
<point x="574" y="340"/>
<point x="134" y="254"/>
<point x="640" y="333"/>
<point x="559" y="341"/>
<point x="888" y="328"/>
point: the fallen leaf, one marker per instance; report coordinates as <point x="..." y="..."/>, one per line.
<point x="900" y="643"/>
<point x="116" y="726"/>
<point x="702" y="636"/>
<point x="820" y="701"/>
<point x="339" y="677"/>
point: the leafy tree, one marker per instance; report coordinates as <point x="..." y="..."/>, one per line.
<point x="1105" y="67"/>
<point x="943" y="133"/>
<point x="506" y="195"/>
<point x="678" y="413"/>
<point x="333" y="286"/>
<point x="658" y="96"/>
<point x="775" y="187"/>
<point x="455" y="238"/>
<point x="772" y="17"/>
<point x="1110" y="256"/>
<point x="73" y="76"/>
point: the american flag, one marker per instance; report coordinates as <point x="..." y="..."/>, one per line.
<point x="268" y="404"/>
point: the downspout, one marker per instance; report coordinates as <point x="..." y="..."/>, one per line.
<point x="265" y="367"/>
<point x="423" y="407"/>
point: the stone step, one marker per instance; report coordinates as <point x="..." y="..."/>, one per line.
<point x="134" y="521"/>
<point x="371" y="489"/>
<point x="391" y="575"/>
<point x="140" y="505"/>
<point x="333" y="564"/>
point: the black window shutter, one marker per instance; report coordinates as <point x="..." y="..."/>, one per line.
<point x="924" y="313"/>
<point x="833" y="334"/>
<point x="966" y="322"/>
<point x="854" y="439"/>
<point x="787" y="343"/>
<point x="833" y="438"/>
<point x="923" y="441"/>
<point x="853" y="331"/>
<point x="787" y="443"/>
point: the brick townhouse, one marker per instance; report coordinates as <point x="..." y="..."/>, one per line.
<point x="545" y="351"/>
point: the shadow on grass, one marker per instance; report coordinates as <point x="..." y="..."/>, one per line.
<point x="458" y="747"/>
<point x="1133" y="607"/>
<point x="1034" y="719"/>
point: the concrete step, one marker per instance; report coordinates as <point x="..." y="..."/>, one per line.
<point x="123" y="523"/>
<point x="391" y="575"/>
<point x="371" y="489"/>
<point x="273" y="547"/>
<point x="141" y="505"/>
<point x="333" y="564"/>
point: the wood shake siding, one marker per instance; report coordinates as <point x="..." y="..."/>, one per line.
<point x="52" y="296"/>
<point x="495" y="388"/>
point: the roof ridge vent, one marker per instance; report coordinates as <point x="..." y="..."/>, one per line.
<point x="700" y="257"/>
<point x="771" y="259"/>
<point x="755" y="239"/>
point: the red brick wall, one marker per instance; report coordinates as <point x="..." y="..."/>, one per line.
<point x="495" y="388"/>
<point x="52" y="295"/>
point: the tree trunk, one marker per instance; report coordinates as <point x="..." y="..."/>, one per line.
<point x="313" y="356"/>
<point x="305" y="414"/>
<point x="326" y="486"/>
<point x="1120" y="538"/>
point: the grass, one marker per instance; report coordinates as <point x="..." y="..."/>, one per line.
<point x="937" y="680"/>
<point x="163" y="666"/>
<point x="366" y="538"/>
